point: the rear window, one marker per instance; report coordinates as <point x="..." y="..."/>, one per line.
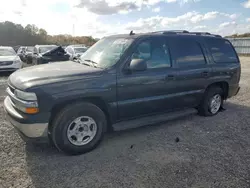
<point x="222" y="51"/>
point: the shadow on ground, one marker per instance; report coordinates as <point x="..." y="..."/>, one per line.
<point x="211" y="152"/>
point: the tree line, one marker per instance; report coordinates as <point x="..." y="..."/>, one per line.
<point x="12" y="34"/>
<point x="239" y="35"/>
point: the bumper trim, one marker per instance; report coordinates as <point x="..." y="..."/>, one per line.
<point x="30" y="130"/>
<point x="35" y="130"/>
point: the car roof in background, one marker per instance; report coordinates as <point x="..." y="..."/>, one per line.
<point x="78" y="46"/>
<point x="46" y="45"/>
<point x="6" y="47"/>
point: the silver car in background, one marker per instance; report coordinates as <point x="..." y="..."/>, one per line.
<point x="75" y="51"/>
<point x="9" y="60"/>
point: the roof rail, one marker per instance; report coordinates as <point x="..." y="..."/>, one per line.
<point x="171" y="31"/>
<point x="200" y="33"/>
<point x="187" y="32"/>
<point x="177" y="31"/>
<point x="205" y="33"/>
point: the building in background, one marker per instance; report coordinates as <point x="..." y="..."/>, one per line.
<point x="241" y="45"/>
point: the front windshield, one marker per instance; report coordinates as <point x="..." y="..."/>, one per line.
<point x="106" y="52"/>
<point x="79" y="50"/>
<point x="44" y="49"/>
<point x="7" y="52"/>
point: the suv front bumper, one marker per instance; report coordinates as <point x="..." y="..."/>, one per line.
<point x="30" y="127"/>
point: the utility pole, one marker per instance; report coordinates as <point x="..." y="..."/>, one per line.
<point x="73" y="30"/>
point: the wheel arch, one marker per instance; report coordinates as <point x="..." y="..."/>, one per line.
<point x="223" y="85"/>
<point x="98" y="101"/>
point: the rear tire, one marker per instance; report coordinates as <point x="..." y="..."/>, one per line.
<point x="212" y="102"/>
<point x="78" y="115"/>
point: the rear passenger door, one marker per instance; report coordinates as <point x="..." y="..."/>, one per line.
<point x="193" y="69"/>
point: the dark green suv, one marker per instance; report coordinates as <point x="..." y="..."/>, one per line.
<point x="122" y="81"/>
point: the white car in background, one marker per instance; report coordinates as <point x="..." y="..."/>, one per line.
<point x="75" y="51"/>
<point x="9" y="60"/>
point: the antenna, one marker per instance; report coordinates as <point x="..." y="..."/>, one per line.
<point x="131" y="33"/>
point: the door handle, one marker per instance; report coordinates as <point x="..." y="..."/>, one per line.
<point x="205" y="74"/>
<point x="170" y="77"/>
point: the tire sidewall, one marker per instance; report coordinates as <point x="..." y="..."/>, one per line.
<point x="61" y="126"/>
<point x="211" y="93"/>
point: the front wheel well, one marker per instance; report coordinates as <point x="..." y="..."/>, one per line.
<point x="94" y="100"/>
<point x="223" y="85"/>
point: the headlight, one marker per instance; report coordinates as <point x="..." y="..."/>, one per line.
<point x="27" y="96"/>
<point x="17" y="61"/>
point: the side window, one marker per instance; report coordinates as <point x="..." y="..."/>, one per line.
<point x="155" y="52"/>
<point x="221" y="50"/>
<point x="187" y="52"/>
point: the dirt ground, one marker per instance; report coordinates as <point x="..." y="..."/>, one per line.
<point x="212" y="152"/>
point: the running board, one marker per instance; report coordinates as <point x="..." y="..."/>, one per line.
<point x="153" y="119"/>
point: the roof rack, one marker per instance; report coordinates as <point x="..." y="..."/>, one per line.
<point x="171" y="31"/>
<point x="187" y="32"/>
<point x="205" y="33"/>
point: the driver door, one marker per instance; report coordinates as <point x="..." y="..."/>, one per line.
<point x="150" y="91"/>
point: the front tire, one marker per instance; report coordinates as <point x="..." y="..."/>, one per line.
<point x="212" y="102"/>
<point x="78" y="128"/>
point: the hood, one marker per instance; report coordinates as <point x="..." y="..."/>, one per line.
<point x="8" y="58"/>
<point x="51" y="73"/>
<point x="57" y="49"/>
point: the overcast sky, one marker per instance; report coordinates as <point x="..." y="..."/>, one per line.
<point x="104" y="17"/>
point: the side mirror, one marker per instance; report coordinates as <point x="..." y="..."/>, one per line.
<point x="138" y="65"/>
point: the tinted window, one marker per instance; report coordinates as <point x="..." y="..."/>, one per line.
<point x="155" y="52"/>
<point x="221" y="50"/>
<point x="187" y="52"/>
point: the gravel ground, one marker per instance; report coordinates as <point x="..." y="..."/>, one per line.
<point x="212" y="152"/>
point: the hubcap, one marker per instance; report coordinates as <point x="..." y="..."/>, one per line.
<point x="215" y="104"/>
<point x="81" y="130"/>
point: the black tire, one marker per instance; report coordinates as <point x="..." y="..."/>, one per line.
<point x="204" y="107"/>
<point x="66" y="116"/>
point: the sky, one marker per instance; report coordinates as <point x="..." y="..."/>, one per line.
<point x="99" y="18"/>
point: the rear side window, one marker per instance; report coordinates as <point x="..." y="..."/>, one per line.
<point x="187" y="52"/>
<point x="222" y="51"/>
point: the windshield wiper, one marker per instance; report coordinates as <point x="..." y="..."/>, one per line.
<point x="93" y="63"/>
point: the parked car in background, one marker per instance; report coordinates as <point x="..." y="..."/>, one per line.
<point x="122" y="81"/>
<point x="9" y="60"/>
<point x="21" y="53"/>
<point x="29" y="54"/>
<point x="48" y="53"/>
<point x="25" y="53"/>
<point x="75" y="51"/>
